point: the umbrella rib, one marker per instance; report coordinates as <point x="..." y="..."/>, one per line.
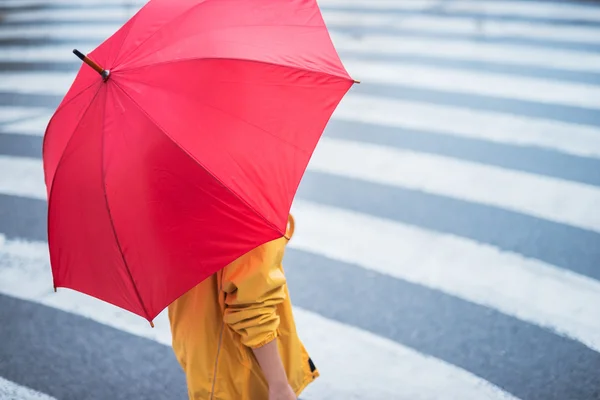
<point x="112" y="222"/>
<point x="59" y="164"/>
<point x="183" y="14"/>
<point x="130" y="23"/>
<point x="237" y="59"/>
<point x="271" y="225"/>
<point x="60" y="109"/>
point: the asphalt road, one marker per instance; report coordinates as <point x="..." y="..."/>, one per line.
<point x="448" y="242"/>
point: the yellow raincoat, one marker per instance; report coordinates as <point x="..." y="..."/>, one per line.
<point x="216" y="324"/>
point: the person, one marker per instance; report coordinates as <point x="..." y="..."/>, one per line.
<point x="234" y="334"/>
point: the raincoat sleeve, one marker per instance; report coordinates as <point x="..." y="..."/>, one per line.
<point x="254" y="285"/>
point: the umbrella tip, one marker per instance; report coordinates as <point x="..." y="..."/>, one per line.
<point x="79" y="54"/>
<point x="54" y="289"/>
<point x="151" y="324"/>
<point x="356" y="81"/>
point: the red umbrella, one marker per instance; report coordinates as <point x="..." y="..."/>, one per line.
<point x="183" y="146"/>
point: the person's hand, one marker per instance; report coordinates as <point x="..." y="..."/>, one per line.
<point x="282" y="392"/>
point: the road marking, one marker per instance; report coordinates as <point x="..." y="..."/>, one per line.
<point x="553" y="199"/>
<point x="487" y="28"/>
<point x="391" y="367"/>
<point x="10" y="115"/>
<point x="527" y="289"/>
<point x="515" y="285"/>
<point x="503" y="86"/>
<point x="33" y="126"/>
<point x="456" y="49"/>
<point x="485" y="8"/>
<point x="468" y="50"/>
<point x="22" y="176"/>
<point x="12" y="391"/>
<point x="478" y="28"/>
<point x="580" y="140"/>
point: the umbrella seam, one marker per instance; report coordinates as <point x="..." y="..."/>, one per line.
<point x="183" y="14"/>
<point x="110" y="217"/>
<point x="60" y="109"/>
<point x="56" y="173"/>
<point x="247" y="26"/>
<point x="254" y="125"/>
<point x="238" y="59"/>
<point x="269" y="224"/>
<point x="132" y="20"/>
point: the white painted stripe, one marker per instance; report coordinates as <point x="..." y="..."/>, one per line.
<point x="120" y="14"/>
<point x="422" y="76"/>
<point x="527" y="289"/>
<point x="57" y="83"/>
<point x="480" y="83"/>
<point x="52" y="83"/>
<point x="35" y="126"/>
<point x="554" y="199"/>
<point x="374" y="368"/>
<point x="8" y="114"/>
<point x="525" y="9"/>
<point x="457" y="49"/>
<point x="92" y="32"/>
<point x="12" y="391"/>
<point x="480" y="28"/>
<point x="22" y="177"/>
<point x="87" y="3"/>
<point x="564" y="137"/>
<point x="468" y="50"/>
<point x="570" y="138"/>
<point x="521" y="287"/>
<point x="540" y="9"/>
<point x="336" y="19"/>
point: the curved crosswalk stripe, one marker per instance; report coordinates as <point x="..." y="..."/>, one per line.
<point x="93" y="32"/>
<point x="527" y="289"/>
<point x="553" y="199"/>
<point x="544" y="197"/>
<point x="117" y="14"/>
<point x="488" y="28"/>
<point x="456" y="49"/>
<point x="390" y="367"/>
<point x="10" y="114"/>
<point x="56" y="83"/>
<point x="482" y="274"/>
<point x="24" y="3"/>
<point x="468" y="50"/>
<point x="34" y="126"/>
<point x="436" y="78"/>
<point x="334" y="19"/>
<point x="580" y="140"/>
<point x="11" y="391"/>
<point x="22" y="177"/>
<point x="473" y="82"/>
<point x="491" y="8"/>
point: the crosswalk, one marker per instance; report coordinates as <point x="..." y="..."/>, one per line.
<point x="448" y="226"/>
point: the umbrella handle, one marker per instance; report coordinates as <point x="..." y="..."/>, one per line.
<point x="105" y="73"/>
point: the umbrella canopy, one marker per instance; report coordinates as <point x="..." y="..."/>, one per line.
<point x="183" y="146"/>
